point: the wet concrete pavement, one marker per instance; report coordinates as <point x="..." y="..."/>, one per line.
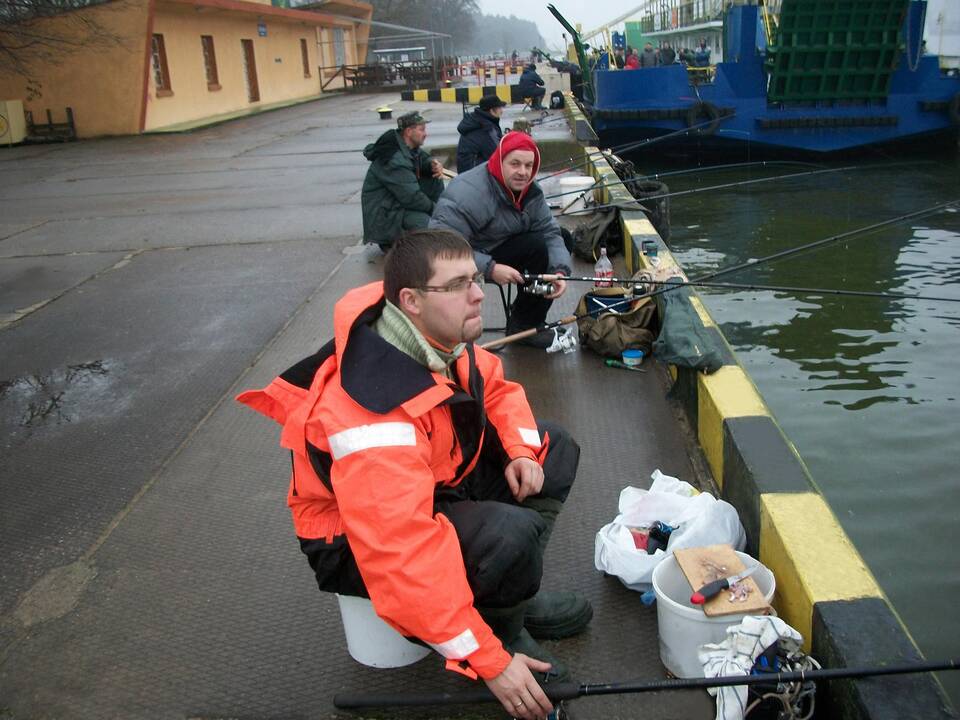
<point x="148" y="566"/>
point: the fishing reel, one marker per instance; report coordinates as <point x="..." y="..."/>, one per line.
<point x="565" y="340"/>
<point x="538" y="287"/>
<point x="642" y="284"/>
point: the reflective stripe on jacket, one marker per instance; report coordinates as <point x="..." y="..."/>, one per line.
<point x="373" y="433"/>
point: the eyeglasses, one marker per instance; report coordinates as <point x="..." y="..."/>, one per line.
<point x="456" y="285"/>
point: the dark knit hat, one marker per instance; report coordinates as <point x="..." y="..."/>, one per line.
<point x="410" y="119"/>
<point x="489" y="102"/>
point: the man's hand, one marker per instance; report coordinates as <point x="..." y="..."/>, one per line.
<point x="559" y="288"/>
<point x="518" y="691"/>
<point x="504" y="274"/>
<point x="436" y="168"/>
<point x="525" y="478"/>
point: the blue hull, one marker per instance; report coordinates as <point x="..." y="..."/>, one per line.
<point x="733" y="110"/>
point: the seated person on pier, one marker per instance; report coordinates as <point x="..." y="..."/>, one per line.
<point x="501" y="211"/>
<point x="531" y="85"/>
<point x="422" y="480"/>
<point x="402" y="184"/>
<point x="480" y="133"/>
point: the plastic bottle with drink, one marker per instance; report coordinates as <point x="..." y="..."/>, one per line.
<point x="603" y="270"/>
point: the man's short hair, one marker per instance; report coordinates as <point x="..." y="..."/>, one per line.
<point x="409" y="263"/>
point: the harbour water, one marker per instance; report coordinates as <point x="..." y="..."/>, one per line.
<point x="867" y="389"/>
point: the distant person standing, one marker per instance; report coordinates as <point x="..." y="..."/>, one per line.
<point x="531" y="85"/>
<point x="480" y="133"/>
<point x="668" y="55"/>
<point x="403" y="183"/>
<point x="701" y="56"/>
<point x="618" y="58"/>
<point x="649" y="57"/>
<point x="632" y="61"/>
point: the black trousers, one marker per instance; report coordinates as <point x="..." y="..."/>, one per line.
<point x="499" y="538"/>
<point x="526" y="252"/>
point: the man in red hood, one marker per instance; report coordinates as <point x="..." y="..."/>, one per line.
<point x="501" y="211"/>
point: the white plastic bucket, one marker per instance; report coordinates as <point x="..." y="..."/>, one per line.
<point x="370" y="641"/>
<point x="568" y="185"/>
<point x="682" y="626"/>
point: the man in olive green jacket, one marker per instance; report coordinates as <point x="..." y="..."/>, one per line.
<point x="402" y="184"/>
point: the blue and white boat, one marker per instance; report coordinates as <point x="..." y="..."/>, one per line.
<point x="824" y="76"/>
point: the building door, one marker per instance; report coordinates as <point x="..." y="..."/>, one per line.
<point x="250" y="70"/>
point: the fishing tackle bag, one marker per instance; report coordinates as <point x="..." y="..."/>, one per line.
<point x="600" y="228"/>
<point x="630" y="325"/>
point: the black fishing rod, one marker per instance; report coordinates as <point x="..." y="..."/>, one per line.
<point x="715" y="187"/>
<point x="742" y="286"/>
<point x="558" y="692"/>
<point x="728" y="166"/>
<point x="724" y="186"/>
<point x="824" y="241"/>
<point x="624" y="148"/>
<point x="493" y="344"/>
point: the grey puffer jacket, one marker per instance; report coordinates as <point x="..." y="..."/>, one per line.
<point x="478" y="207"/>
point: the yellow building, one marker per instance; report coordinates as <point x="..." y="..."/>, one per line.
<point x="174" y="64"/>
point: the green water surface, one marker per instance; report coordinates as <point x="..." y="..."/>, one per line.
<point x="867" y="389"/>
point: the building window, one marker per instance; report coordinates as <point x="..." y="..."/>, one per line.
<point x="339" y="56"/>
<point x="210" y="62"/>
<point x="161" y="73"/>
<point x="305" y="56"/>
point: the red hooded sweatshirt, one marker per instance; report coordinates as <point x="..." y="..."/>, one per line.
<point x="514" y="140"/>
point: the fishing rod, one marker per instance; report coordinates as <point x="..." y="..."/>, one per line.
<point x="629" y="146"/>
<point x="558" y="692"/>
<point x="493" y="344"/>
<point x="742" y="286"/>
<point x="728" y="166"/>
<point x="824" y="241"/>
<point x="717" y="187"/>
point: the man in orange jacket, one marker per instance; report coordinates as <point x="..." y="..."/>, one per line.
<point x="421" y="479"/>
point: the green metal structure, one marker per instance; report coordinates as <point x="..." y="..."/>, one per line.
<point x="588" y="92"/>
<point x="834" y="50"/>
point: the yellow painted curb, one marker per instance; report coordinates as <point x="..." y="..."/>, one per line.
<point x="811" y="557"/>
<point x="420" y="96"/>
<point x="448" y="95"/>
<point x="474" y="94"/>
<point x="724" y="394"/>
<point x="503" y="92"/>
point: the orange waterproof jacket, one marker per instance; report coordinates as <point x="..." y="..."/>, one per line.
<point x="373" y="433"/>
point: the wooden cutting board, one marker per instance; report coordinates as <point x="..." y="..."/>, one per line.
<point x="706" y="564"/>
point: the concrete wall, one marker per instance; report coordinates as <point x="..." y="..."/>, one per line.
<point x="278" y="61"/>
<point x="101" y="80"/>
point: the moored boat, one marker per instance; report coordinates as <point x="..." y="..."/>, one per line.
<point x="824" y="78"/>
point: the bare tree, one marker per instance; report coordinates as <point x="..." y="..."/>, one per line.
<point x="30" y="39"/>
<point x="453" y="17"/>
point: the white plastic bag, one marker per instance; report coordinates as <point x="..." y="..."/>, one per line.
<point x="699" y="519"/>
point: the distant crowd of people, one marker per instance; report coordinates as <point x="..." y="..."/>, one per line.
<point x="649" y="56"/>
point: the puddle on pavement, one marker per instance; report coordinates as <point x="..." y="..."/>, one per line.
<point x="54" y="398"/>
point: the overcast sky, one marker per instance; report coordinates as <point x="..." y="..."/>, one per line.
<point x="589" y="13"/>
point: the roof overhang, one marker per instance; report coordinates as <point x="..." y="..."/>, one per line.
<point x="350" y="8"/>
<point x="265" y="11"/>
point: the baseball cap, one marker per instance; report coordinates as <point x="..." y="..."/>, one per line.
<point x="410" y="119"/>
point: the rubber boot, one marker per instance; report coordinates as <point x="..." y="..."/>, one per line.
<point x="554" y="614"/>
<point x="507" y="624"/>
